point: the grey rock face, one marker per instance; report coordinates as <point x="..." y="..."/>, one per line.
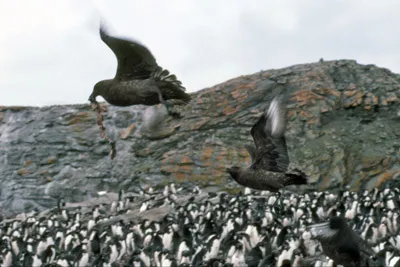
<point x="343" y="129"/>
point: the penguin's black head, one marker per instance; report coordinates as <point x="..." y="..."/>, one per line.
<point x="239" y="246"/>
<point x="186" y="253"/>
<point x="286" y="263"/>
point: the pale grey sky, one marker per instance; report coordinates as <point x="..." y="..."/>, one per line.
<point x="51" y="52"/>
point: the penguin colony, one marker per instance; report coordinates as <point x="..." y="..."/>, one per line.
<point x="257" y="228"/>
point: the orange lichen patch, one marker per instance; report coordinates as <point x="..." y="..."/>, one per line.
<point x="236" y="93"/>
<point x="249" y="85"/>
<point x="349" y="93"/>
<point x="313" y="74"/>
<point x="367" y="107"/>
<point x="126" y="132"/>
<point x="49" y="179"/>
<point x="392" y="98"/>
<point x="353" y="98"/>
<point x="242" y="98"/>
<point x="304" y="97"/>
<point x="43" y="172"/>
<point x="386" y="176"/>
<point x="166" y="158"/>
<point x="220" y="157"/>
<point x="371" y="99"/>
<point x="207" y="152"/>
<point x="291" y="113"/>
<point x="80" y="117"/>
<point x="239" y="95"/>
<point x="223" y="102"/>
<point x="27" y="163"/>
<point x="327" y="91"/>
<point x="1" y="116"/>
<point x="305" y="114"/>
<point x="223" y="152"/>
<point x="313" y="121"/>
<point x="205" y="158"/>
<point x="186" y="160"/>
<point x="51" y="160"/>
<point x="325" y="109"/>
<point x="229" y="110"/>
<point x="199" y="123"/>
<point x="229" y="155"/>
<point x="22" y="172"/>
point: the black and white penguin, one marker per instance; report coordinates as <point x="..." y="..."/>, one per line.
<point x="49" y="254"/>
<point x="8" y="258"/>
<point x="238" y="257"/>
<point x="185" y="257"/>
<point x="198" y="256"/>
<point x="212" y="244"/>
<point x="255" y="255"/>
<point x="83" y="260"/>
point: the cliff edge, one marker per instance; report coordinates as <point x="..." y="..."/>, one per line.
<point x="343" y="129"/>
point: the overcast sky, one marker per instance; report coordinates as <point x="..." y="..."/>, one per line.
<point x="51" y="52"/>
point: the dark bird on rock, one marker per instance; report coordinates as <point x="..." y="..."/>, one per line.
<point x="139" y="79"/>
<point x="340" y="243"/>
<point x="269" y="167"/>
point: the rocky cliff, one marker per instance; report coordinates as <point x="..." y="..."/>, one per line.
<point x="343" y="129"/>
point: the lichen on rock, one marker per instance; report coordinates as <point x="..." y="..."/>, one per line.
<point x="343" y="129"/>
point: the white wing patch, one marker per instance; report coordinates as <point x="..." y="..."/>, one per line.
<point x="322" y="230"/>
<point x="276" y="118"/>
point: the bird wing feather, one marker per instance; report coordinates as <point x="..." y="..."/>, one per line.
<point x="171" y="88"/>
<point x="322" y="231"/>
<point x="271" y="150"/>
<point x="135" y="61"/>
<point x="252" y="151"/>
